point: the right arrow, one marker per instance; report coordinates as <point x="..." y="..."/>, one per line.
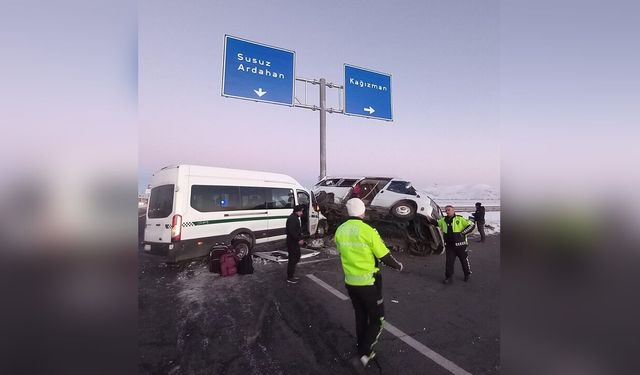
<point x="370" y="110"/>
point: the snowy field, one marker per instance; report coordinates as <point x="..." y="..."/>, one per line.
<point x="461" y="192"/>
<point x="466" y="196"/>
<point x="492" y="219"/>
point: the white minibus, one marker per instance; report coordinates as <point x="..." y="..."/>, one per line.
<point x="193" y="208"/>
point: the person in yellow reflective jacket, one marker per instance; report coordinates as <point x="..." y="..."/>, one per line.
<point x="455" y="229"/>
<point x="360" y="248"/>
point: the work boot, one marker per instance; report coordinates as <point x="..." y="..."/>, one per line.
<point x="448" y="280"/>
<point x="293" y="280"/>
<point x="466" y="277"/>
<point x="356" y="366"/>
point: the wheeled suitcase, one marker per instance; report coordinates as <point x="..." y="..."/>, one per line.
<point x="214" y="257"/>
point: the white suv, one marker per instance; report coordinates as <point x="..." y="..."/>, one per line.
<point x="387" y="199"/>
<point x="382" y="196"/>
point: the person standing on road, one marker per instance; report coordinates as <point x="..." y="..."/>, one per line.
<point x="455" y="229"/>
<point x="478" y="217"/>
<point x="294" y="241"/>
<point x="360" y="248"/>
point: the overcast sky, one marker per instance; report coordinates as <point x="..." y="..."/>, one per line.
<point x="443" y="57"/>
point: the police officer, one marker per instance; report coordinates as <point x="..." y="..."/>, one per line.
<point x="455" y="229"/>
<point x="294" y="241"/>
<point x="360" y="248"/>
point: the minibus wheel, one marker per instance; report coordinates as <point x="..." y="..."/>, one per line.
<point x="241" y="248"/>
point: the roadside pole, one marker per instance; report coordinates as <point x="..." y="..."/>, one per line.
<point x="301" y="102"/>
<point x="323" y="128"/>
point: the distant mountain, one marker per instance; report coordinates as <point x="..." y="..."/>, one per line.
<point x="477" y="191"/>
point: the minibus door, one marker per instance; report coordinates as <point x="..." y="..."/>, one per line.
<point x="309" y="219"/>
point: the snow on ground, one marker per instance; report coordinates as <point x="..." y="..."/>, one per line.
<point x="462" y="192"/>
<point x="462" y="195"/>
<point x="492" y="219"/>
<point x="467" y="196"/>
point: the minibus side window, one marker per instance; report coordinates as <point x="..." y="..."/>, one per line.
<point x="205" y="198"/>
<point x="253" y="198"/>
<point x="280" y="198"/>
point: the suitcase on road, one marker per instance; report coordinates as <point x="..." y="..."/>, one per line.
<point x="214" y="258"/>
<point x="245" y="265"/>
<point x="228" y="265"/>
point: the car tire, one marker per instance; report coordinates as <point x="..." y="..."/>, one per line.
<point x="241" y="248"/>
<point x="419" y="249"/>
<point x="403" y="210"/>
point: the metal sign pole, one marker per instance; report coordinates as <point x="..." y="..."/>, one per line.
<point x="323" y="128"/>
<point x="323" y="114"/>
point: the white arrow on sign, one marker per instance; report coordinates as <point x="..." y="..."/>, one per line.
<point x="259" y="92"/>
<point x="370" y="110"/>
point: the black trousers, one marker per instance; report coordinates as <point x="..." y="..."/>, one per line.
<point x="459" y="252"/>
<point x="294" y="258"/>
<point x="369" y="310"/>
<point x="480" y="225"/>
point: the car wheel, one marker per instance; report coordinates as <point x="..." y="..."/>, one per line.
<point x="419" y="249"/>
<point x="403" y="210"/>
<point x="241" y="248"/>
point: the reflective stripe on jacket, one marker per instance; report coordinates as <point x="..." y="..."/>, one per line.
<point x="460" y="226"/>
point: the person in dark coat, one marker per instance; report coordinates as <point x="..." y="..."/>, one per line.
<point x="478" y="217"/>
<point x="294" y="241"/>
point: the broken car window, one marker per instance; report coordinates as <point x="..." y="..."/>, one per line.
<point x="402" y="187"/>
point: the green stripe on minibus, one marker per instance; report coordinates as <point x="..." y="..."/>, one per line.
<point x="207" y="222"/>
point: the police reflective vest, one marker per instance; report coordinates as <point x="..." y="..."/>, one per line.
<point x="460" y="228"/>
<point x="359" y="245"/>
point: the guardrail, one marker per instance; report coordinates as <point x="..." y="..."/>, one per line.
<point x="473" y="208"/>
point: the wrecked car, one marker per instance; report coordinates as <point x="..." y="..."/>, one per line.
<point x="394" y="208"/>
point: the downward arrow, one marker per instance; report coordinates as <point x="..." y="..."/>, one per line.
<point x="259" y="92"/>
<point x="370" y="110"/>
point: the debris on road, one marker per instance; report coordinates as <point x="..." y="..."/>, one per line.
<point x="281" y="256"/>
<point x="317" y="243"/>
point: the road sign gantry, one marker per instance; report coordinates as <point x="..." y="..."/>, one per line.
<point x="263" y="73"/>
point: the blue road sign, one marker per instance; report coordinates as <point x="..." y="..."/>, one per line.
<point x="258" y="72"/>
<point x="367" y="93"/>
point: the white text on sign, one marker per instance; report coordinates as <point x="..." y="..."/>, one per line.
<point x="370" y="85"/>
<point x="256" y="69"/>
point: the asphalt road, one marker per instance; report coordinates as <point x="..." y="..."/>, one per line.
<point x="195" y="322"/>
